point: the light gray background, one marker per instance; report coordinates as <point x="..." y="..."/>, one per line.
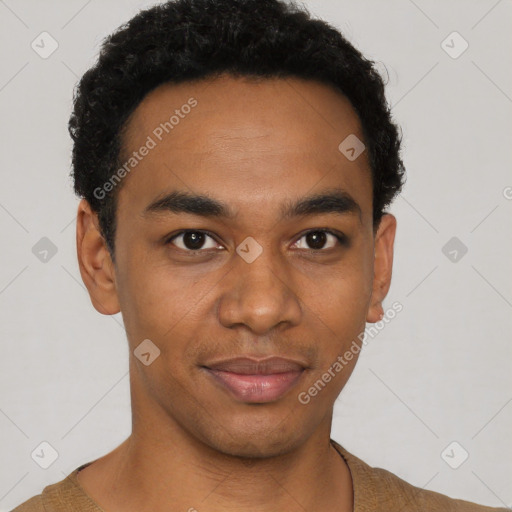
<point x="439" y="372"/>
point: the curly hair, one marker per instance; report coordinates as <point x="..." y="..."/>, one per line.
<point x="187" y="40"/>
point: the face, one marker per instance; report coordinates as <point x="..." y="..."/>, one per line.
<point x="242" y="232"/>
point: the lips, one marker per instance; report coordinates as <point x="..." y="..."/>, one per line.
<point x="248" y="366"/>
<point x="256" y="381"/>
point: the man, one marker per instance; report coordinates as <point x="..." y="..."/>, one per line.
<point x="235" y="159"/>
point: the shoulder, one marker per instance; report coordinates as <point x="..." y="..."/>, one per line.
<point x="400" y="493"/>
<point x="34" y="504"/>
<point x="377" y="489"/>
<point x="61" y="496"/>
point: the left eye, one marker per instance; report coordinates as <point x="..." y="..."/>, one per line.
<point x="319" y="238"/>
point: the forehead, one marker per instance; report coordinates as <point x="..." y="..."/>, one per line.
<point x="258" y="139"/>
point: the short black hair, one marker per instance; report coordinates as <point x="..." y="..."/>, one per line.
<point x="187" y="40"/>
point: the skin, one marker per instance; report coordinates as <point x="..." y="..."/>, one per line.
<point x="254" y="145"/>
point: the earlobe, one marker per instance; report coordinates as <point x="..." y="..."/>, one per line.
<point x="94" y="261"/>
<point x="382" y="266"/>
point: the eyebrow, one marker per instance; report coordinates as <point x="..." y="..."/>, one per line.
<point x="336" y="201"/>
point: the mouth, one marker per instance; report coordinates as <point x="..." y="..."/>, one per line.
<point x="256" y="381"/>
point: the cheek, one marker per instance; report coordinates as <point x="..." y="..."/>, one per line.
<point x="343" y="295"/>
<point x="338" y="307"/>
<point x="167" y="305"/>
<point x="153" y="297"/>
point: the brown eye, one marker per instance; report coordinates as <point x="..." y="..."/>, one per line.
<point x="316" y="240"/>
<point x="193" y="241"/>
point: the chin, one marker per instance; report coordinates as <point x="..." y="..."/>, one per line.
<point x="253" y="441"/>
<point x="255" y="448"/>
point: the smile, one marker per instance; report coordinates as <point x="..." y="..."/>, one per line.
<point x="253" y="381"/>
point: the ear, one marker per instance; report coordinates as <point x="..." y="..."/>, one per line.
<point x="96" y="267"/>
<point x="382" y="266"/>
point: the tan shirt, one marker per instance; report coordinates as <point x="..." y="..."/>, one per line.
<point x="375" y="490"/>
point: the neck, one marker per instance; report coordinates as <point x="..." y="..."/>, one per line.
<point x="162" y="468"/>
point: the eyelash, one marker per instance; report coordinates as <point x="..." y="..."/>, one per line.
<point x="341" y="238"/>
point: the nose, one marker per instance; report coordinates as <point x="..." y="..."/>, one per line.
<point x="259" y="295"/>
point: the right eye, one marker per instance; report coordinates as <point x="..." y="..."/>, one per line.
<point x="192" y="241"/>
